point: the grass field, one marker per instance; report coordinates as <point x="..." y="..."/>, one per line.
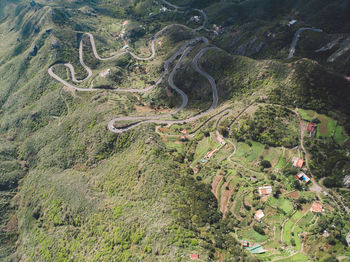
<point x="339" y="135"/>
<point x="252" y="235"/>
<point x="273" y="155"/>
<point x="281" y="162"/>
<point x="238" y="205"/>
<point x="305" y="221"/>
<point x="256" y="150"/>
<point x="287" y="232"/>
<point x="281" y="203"/>
<point x="297" y="239"/>
<point x="203" y="147"/>
<point x="307" y="114"/>
<point x="297" y="215"/>
<point x="286" y="205"/>
<point x="267" y="256"/>
<point x="326" y="127"/>
<point x="299" y="257"/>
<point x="174" y="143"/>
<point x="242" y="150"/>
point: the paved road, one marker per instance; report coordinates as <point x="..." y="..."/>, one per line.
<point x="203" y="14"/>
<point x="183" y="51"/>
<point x="157" y="119"/>
<point x="296" y="37"/>
<point x="92" y="41"/>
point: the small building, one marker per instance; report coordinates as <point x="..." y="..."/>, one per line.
<point x="265" y="190"/>
<point x="184" y="131"/>
<point x="302" y="177"/>
<point x="259" y="215"/>
<point x="253" y="179"/>
<point x="194" y="256"/>
<point x="347" y="78"/>
<point x="292" y="22"/>
<point x="246" y="243"/>
<point x="298" y="162"/>
<point x="325" y="234"/>
<point x="183" y="138"/>
<point x="210" y="153"/>
<point x="316" y="207"/>
<point x="311" y="128"/>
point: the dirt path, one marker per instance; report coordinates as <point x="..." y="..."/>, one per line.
<point x="225" y="197"/>
<point x="215" y="185"/>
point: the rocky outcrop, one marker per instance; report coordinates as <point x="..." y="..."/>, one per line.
<point x="347" y="181"/>
<point x="344" y="47"/>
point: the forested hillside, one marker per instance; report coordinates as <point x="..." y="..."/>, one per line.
<point x="142" y="130"/>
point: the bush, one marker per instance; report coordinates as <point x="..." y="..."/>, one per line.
<point x="265" y="164"/>
<point x="259" y="229"/>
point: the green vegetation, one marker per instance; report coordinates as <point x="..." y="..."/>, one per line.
<point x="287" y="232"/>
<point x="252" y="235"/>
<point x="274" y="126"/>
<point x="72" y="190"/>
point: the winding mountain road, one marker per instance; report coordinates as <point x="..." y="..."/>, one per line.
<point x="157" y="119"/>
<point x="182" y="52"/>
<point x="296" y="37"/>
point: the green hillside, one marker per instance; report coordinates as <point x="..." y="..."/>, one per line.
<point x="100" y="161"/>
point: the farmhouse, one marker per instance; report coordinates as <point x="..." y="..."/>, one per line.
<point x="302" y="177"/>
<point x="184" y="131"/>
<point x="298" y="162"/>
<point x="265" y="190"/>
<point x="311" y="128"/>
<point x="316" y="207"/>
<point x="259" y="215"/>
<point x="292" y="22"/>
<point x="194" y="256"/>
<point x="210" y="153"/>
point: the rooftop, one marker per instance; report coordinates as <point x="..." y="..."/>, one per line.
<point x="194" y="256"/>
<point x="316" y="207"/>
<point x="298" y="162"/>
<point x="259" y="214"/>
<point x="265" y="190"/>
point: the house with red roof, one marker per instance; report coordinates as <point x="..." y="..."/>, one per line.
<point x="298" y="162"/>
<point x="316" y="207"/>
<point x="311" y="128"/>
<point x="259" y="215"/>
<point x="194" y="256"/>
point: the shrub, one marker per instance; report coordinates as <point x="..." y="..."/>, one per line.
<point x="265" y="164"/>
